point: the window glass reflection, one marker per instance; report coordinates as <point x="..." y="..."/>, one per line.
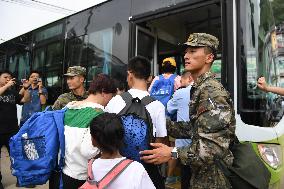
<point x="39" y="58"/>
<point x="100" y="51"/>
<point x="12" y="64"/>
<point x="100" y="56"/>
<point x="49" y="33"/>
<point x="19" y="65"/>
<point x="23" y="68"/>
<point x="77" y="51"/>
<point x="261" y="54"/>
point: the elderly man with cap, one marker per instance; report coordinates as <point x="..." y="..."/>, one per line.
<point x="212" y="124"/>
<point x="75" y="81"/>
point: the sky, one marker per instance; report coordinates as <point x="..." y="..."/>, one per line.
<point x="21" y="16"/>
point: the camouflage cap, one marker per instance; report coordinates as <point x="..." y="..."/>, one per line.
<point x="202" y="40"/>
<point x="75" y="70"/>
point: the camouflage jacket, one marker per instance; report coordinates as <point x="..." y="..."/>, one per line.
<point x="65" y="98"/>
<point x="211" y="128"/>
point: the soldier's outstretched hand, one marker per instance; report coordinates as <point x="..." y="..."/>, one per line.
<point x="160" y="154"/>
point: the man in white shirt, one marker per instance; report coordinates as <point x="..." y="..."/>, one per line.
<point x="138" y="75"/>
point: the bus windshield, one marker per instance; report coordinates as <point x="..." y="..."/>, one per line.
<point x="261" y="53"/>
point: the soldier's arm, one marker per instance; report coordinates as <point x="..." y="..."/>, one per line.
<point x="60" y="102"/>
<point x="215" y="130"/>
<point x="180" y="129"/>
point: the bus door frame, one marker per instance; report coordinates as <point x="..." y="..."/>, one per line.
<point x="154" y="63"/>
<point x="228" y="70"/>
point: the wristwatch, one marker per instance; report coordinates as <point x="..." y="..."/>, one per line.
<point x="174" y="154"/>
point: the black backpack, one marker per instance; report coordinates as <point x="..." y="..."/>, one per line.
<point x="137" y="123"/>
<point x="247" y="170"/>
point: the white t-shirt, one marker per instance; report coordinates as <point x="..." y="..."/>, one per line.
<point x="156" y="110"/>
<point x="133" y="177"/>
<point x="78" y="142"/>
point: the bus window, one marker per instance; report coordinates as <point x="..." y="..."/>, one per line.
<point x="216" y="67"/>
<point x="48" y="61"/>
<point x="2" y="61"/>
<point x="39" y="58"/>
<point x="100" y="53"/>
<point x="260" y="55"/>
<point x="280" y="61"/>
<point x="24" y="66"/>
<point x="77" y="51"/>
<point x="146" y="45"/>
<point x="19" y="65"/>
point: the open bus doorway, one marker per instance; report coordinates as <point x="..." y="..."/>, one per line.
<point x="161" y="36"/>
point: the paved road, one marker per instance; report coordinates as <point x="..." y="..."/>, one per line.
<point x="8" y="180"/>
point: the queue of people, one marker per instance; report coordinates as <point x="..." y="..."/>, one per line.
<point x="204" y="125"/>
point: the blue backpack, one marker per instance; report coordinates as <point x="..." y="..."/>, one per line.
<point x="34" y="150"/>
<point x="163" y="89"/>
<point x="138" y="127"/>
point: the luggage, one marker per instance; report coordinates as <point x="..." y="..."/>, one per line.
<point x="35" y="149"/>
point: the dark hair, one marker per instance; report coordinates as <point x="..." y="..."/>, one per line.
<point x="119" y="84"/>
<point x="140" y="67"/>
<point x="102" y="83"/>
<point x="34" y="71"/>
<point x="209" y="50"/>
<point x="7" y="72"/>
<point x="167" y="67"/>
<point x="108" y="132"/>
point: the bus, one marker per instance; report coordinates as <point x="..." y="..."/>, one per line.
<point x="104" y="37"/>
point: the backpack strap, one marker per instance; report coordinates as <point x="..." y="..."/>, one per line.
<point x="90" y="171"/>
<point x="90" y="163"/>
<point x="114" y="173"/>
<point x="147" y="100"/>
<point x="172" y="77"/>
<point x="127" y="97"/>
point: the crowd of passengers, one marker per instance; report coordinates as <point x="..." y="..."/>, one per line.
<point x="94" y="129"/>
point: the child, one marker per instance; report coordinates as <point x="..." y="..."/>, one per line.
<point x="107" y="135"/>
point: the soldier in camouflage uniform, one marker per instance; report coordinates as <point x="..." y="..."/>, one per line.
<point x="75" y="81"/>
<point x="212" y="124"/>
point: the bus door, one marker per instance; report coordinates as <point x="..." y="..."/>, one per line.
<point x="159" y="34"/>
<point x="146" y="45"/>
